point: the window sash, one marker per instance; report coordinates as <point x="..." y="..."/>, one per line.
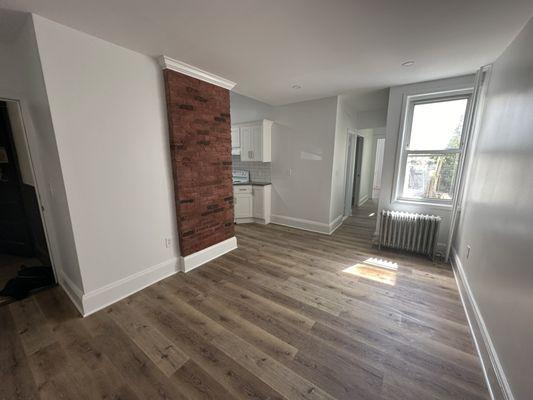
<point x="430" y="100"/>
<point x="406" y="137"/>
<point x="430" y="153"/>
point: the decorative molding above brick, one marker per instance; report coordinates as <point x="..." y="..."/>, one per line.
<point x="190" y="70"/>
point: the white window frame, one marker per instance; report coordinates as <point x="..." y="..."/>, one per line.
<point x="403" y="149"/>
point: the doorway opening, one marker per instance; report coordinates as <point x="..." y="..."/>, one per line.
<point x="356" y="192"/>
<point x="378" y="167"/>
<point x="25" y="264"/>
<point x="354" y="166"/>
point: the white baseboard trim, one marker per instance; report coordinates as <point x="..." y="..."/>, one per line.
<point x="72" y="290"/>
<point x="100" y="298"/>
<point x="308" y="225"/>
<point x="336" y="223"/>
<point x="244" y="220"/>
<point x="194" y="260"/>
<point x="362" y="200"/>
<point x="495" y="378"/>
<point x="300" y="223"/>
<point x="252" y="220"/>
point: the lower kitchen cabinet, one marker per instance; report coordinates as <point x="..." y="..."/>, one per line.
<point x="261" y="203"/>
<point x="243" y="202"/>
<point x="252" y="203"/>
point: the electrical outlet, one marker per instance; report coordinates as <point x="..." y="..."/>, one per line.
<point x="468" y="251"/>
<point x="168" y="243"/>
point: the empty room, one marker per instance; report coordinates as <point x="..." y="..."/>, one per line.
<point x="248" y="199"/>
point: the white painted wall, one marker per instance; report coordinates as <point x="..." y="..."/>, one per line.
<point x="246" y="109"/>
<point x="302" y="159"/>
<point x="345" y="121"/>
<point x="369" y="108"/>
<point x="21" y="79"/>
<point x="21" y="145"/>
<point x="108" y="110"/>
<point x="393" y="134"/>
<point x="372" y="118"/>
<point x="497" y="214"/>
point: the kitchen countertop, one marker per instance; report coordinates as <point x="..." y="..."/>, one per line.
<point x="252" y="183"/>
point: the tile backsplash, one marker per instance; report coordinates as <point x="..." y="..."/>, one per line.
<point x="259" y="171"/>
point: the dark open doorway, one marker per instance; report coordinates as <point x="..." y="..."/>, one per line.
<point x="22" y="236"/>
<point x="357" y="170"/>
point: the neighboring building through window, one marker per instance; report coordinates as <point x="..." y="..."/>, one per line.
<point x="431" y="147"/>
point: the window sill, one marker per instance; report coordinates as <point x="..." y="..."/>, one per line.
<point x="424" y="204"/>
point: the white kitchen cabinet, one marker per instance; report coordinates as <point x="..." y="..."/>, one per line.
<point x="255" y="141"/>
<point x="262" y="203"/>
<point x="243" y="201"/>
<point x="235" y="140"/>
<point x="252" y="203"/>
<point x="247" y="143"/>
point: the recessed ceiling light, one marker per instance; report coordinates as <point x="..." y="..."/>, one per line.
<point x="409" y="63"/>
<point x="296" y="86"/>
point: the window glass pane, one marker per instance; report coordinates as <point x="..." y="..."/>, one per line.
<point x="438" y="125"/>
<point x="430" y="177"/>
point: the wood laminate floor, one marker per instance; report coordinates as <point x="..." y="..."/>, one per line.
<point x="288" y="315"/>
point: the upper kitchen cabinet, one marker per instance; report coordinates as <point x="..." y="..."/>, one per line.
<point x="254" y="141"/>
<point x="235" y="141"/>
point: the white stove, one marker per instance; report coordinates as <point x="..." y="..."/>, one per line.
<point x="241" y="176"/>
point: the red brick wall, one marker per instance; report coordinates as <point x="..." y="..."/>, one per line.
<point x="200" y="147"/>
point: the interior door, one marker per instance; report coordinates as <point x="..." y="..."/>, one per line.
<point x="15" y="236"/>
<point x="357" y="172"/>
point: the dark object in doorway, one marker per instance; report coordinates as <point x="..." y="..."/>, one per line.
<point x="28" y="280"/>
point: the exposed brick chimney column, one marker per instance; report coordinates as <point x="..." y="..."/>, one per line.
<point x="200" y="146"/>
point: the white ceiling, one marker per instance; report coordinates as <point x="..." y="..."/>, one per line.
<point x="326" y="46"/>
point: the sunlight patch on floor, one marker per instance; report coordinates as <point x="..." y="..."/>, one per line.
<point x="380" y="262"/>
<point x="375" y="269"/>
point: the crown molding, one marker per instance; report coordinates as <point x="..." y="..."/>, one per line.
<point x="189" y="70"/>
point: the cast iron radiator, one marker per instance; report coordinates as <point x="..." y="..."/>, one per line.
<point x="415" y="233"/>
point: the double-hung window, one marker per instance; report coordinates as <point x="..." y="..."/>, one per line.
<point x="431" y="147"/>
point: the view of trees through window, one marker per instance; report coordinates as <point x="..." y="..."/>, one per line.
<point x="433" y="153"/>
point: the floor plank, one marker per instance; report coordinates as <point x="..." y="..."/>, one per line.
<point x="153" y="343"/>
<point x="15" y="374"/>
